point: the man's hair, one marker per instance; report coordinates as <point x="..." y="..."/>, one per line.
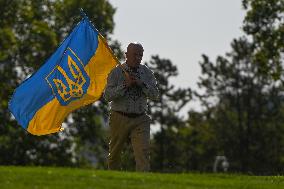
<point x="135" y="44"/>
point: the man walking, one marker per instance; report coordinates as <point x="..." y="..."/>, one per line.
<point x="128" y="87"/>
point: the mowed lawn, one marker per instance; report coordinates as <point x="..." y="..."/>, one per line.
<point x="69" y="178"/>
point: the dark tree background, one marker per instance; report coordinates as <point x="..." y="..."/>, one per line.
<point x="241" y="94"/>
<point x="30" y="32"/>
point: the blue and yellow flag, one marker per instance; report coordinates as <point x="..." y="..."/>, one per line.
<point x="74" y="76"/>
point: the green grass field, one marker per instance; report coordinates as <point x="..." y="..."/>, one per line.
<point x="69" y="178"/>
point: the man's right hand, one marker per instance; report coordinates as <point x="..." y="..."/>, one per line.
<point x="130" y="80"/>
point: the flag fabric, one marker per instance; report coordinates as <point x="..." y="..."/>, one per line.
<point x="74" y="76"/>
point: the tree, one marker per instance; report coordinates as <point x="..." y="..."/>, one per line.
<point x="264" y="23"/>
<point x="245" y="110"/>
<point x="30" y="32"/>
<point x="165" y="113"/>
<point x="242" y="92"/>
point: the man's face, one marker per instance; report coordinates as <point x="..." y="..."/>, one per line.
<point x="134" y="55"/>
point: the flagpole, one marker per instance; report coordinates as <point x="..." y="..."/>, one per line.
<point x="84" y="15"/>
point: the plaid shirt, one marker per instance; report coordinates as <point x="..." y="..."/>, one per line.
<point x="132" y="99"/>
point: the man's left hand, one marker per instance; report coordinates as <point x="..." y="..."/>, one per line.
<point x="138" y="82"/>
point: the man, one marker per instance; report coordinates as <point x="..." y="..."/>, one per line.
<point x="128" y="87"/>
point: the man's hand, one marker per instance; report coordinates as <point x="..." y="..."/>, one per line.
<point x="131" y="80"/>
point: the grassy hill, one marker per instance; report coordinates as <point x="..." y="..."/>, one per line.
<point x="69" y="178"/>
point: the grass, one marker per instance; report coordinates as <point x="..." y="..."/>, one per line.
<point x="69" y="178"/>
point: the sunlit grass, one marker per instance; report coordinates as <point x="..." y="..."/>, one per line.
<point x="69" y="178"/>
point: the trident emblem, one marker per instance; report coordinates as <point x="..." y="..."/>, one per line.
<point x="68" y="80"/>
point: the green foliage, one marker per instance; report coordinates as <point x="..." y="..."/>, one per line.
<point x="165" y="110"/>
<point x="165" y="113"/>
<point x="242" y="93"/>
<point x="264" y="22"/>
<point x="190" y="147"/>
<point x="30" y="32"/>
<point x="245" y="110"/>
<point x="90" y="133"/>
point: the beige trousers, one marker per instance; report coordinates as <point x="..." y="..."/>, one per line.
<point x="138" y="129"/>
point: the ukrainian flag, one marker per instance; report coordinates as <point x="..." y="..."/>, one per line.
<point x="74" y="76"/>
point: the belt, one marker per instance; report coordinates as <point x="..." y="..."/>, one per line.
<point x="131" y="115"/>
